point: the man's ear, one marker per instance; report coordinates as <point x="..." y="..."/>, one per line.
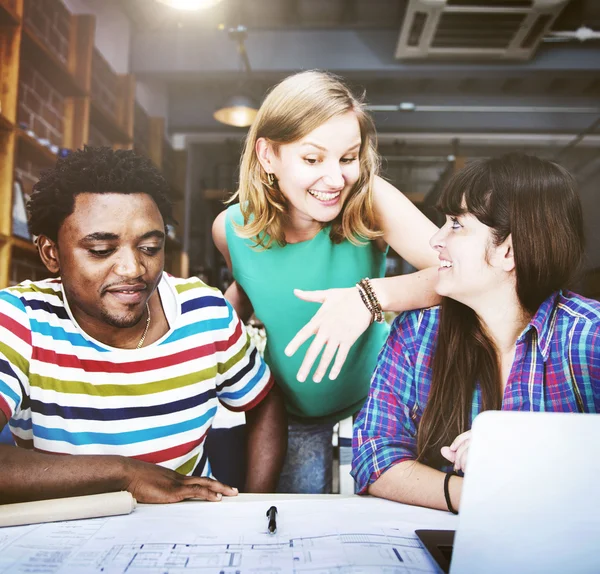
<point x="264" y="153"/>
<point x="48" y="251"/>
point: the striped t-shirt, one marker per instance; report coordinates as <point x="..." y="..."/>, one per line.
<point x="64" y="392"/>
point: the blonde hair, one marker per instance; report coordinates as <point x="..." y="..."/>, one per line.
<point x="293" y="109"/>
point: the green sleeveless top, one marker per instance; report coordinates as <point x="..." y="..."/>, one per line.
<point x="269" y="277"/>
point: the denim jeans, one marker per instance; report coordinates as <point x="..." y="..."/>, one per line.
<point x="308" y="463"/>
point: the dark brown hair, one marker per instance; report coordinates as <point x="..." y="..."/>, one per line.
<point x="536" y="202"/>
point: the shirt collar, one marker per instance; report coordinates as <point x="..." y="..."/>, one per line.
<point x="543" y="323"/>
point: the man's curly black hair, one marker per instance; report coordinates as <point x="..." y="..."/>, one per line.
<point x="95" y="170"/>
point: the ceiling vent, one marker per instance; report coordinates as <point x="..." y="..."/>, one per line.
<point x="481" y="29"/>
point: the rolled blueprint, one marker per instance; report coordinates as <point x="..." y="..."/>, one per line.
<point x="73" y="508"/>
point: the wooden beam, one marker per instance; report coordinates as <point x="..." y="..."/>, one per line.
<point x="155" y="143"/>
<point x="81" y="46"/>
<point x="7" y="161"/>
<point x="5" y="257"/>
<point x="11" y="13"/>
<point x="76" y="122"/>
<point x="10" y="45"/>
<point x="126" y="104"/>
<point x="77" y="109"/>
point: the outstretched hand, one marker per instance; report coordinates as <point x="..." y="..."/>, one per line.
<point x="336" y="326"/>
<point x="151" y="483"/>
<point x="458" y="451"/>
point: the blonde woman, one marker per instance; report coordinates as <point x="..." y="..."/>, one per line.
<point x="314" y="215"/>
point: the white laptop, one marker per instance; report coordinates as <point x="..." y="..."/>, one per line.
<point x="531" y="497"/>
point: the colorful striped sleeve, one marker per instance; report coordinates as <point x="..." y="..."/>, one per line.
<point x="243" y="378"/>
<point x="385" y="432"/>
<point x="15" y="353"/>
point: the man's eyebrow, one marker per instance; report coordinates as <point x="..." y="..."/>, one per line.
<point x="108" y="236"/>
<point x="155" y="233"/>
<point x="100" y="236"/>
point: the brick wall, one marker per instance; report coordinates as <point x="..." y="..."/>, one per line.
<point x="104" y="84"/>
<point x="51" y="22"/>
<point x="41" y="106"/>
<point x="41" y="109"/>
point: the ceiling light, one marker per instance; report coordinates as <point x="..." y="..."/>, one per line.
<point x="189" y="4"/>
<point x="238" y="110"/>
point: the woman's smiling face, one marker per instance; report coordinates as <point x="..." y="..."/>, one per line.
<point x="467" y="254"/>
<point x="316" y="173"/>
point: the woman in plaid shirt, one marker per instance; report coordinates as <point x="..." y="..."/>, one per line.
<point x="506" y="336"/>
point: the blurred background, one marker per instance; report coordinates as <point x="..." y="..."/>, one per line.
<point x="180" y="80"/>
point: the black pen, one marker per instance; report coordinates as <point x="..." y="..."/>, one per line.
<point x="271" y="513"/>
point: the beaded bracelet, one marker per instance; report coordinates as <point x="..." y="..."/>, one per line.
<point x="366" y="301"/>
<point x="370" y="300"/>
<point x="378" y="311"/>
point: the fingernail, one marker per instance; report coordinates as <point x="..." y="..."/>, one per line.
<point x="234" y="488"/>
<point x="317" y="379"/>
<point x="301" y="378"/>
<point x="219" y="496"/>
<point x="332" y="375"/>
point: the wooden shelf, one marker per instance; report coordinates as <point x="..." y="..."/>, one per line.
<point x="46" y="60"/>
<point x="67" y="70"/>
<point x="107" y="124"/>
<point x="24" y="245"/>
<point x="35" y="149"/>
<point x="8" y="17"/>
<point x="6" y="124"/>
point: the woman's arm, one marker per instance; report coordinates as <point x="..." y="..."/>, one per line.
<point x="385" y="434"/>
<point x="407" y="231"/>
<point x="411" y="482"/>
<point x="343" y="317"/>
<point x="234" y="294"/>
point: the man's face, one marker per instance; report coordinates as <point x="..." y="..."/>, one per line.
<point x="111" y="258"/>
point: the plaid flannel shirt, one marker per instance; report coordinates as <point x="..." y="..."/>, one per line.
<point x="556" y="368"/>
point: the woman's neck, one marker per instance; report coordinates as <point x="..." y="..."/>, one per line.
<point x="300" y="228"/>
<point x="504" y="320"/>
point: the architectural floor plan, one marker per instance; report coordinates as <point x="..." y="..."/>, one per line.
<point x="347" y="535"/>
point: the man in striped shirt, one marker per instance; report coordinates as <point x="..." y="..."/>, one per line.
<point x="116" y="362"/>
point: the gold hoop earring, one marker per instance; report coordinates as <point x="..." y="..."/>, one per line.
<point x="271" y="179"/>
